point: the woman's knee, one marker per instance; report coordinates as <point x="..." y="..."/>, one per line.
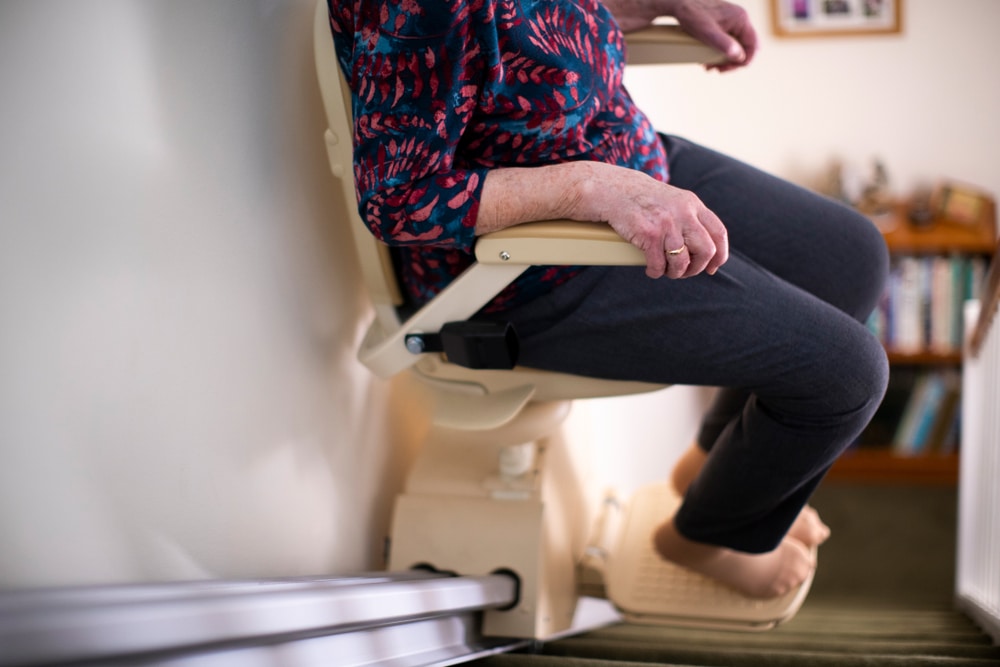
<point x="863" y="260"/>
<point x="856" y="376"/>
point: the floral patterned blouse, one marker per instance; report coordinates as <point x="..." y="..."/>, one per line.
<point x="445" y="90"/>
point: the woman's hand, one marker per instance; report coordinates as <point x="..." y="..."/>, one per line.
<point x="678" y="234"/>
<point x="719" y="24"/>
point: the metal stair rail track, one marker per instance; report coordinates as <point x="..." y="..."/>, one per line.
<point x="406" y="619"/>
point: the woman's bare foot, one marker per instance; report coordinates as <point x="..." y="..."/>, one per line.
<point x="767" y="575"/>
<point x="808" y="528"/>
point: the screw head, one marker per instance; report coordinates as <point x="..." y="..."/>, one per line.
<point x="504" y="255"/>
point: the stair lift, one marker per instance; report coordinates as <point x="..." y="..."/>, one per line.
<point x="491" y="490"/>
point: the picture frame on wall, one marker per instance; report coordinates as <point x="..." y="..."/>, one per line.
<point x="832" y="18"/>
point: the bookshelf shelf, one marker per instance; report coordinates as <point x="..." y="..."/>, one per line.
<point x="880" y="465"/>
<point x="925" y="358"/>
<point x="882" y="456"/>
<point x="940" y="236"/>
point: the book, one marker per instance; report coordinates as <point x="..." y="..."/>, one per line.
<point x="942" y="306"/>
<point x="908" y="317"/>
<point x="921" y="307"/>
<point x="927" y="412"/>
<point x="902" y="441"/>
<point x="946" y="414"/>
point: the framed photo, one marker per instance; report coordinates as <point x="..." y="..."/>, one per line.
<point x="831" y="18"/>
<point x="961" y="204"/>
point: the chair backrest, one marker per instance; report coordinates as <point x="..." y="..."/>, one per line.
<point x="376" y="264"/>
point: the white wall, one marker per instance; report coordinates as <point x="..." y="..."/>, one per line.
<point x="926" y="101"/>
<point x="178" y="393"/>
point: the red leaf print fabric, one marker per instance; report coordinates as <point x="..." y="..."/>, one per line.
<point x="445" y="90"/>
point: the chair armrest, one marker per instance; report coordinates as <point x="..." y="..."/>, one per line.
<point x="558" y="242"/>
<point x="668" y="45"/>
<point x="500" y="258"/>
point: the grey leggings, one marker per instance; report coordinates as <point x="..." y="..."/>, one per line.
<point x="780" y="327"/>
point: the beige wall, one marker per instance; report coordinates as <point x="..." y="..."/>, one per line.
<point x="178" y="392"/>
<point x="178" y="395"/>
<point x="926" y="102"/>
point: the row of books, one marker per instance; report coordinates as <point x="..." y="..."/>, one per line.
<point x="930" y="421"/>
<point x="921" y="308"/>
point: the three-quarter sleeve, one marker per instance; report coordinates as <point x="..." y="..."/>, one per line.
<point x="416" y="72"/>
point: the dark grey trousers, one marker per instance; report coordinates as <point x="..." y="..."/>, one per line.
<point x="780" y="327"/>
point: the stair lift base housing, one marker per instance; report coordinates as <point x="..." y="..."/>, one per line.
<point x="458" y="513"/>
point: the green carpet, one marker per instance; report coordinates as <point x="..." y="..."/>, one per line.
<point x="818" y="635"/>
<point x="882" y="597"/>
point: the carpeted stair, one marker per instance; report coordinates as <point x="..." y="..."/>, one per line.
<point x="882" y="598"/>
<point x="821" y="636"/>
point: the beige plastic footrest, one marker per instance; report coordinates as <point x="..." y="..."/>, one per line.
<point x="647" y="589"/>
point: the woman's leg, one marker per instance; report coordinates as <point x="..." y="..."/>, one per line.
<point x="813" y="242"/>
<point x="779" y="324"/>
<point x="808" y="528"/>
<point x="814" y="375"/>
<point x="845" y="265"/>
<point x="843" y="261"/>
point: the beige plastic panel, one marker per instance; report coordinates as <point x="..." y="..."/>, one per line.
<point x="648" y="589"/>
<point x="558" y="242"/>
<point x="668" y="45"/>
<point x="454" y="515"/>
<point x="373" y="256"/>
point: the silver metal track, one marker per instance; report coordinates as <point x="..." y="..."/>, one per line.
<point x="412" y="619"/>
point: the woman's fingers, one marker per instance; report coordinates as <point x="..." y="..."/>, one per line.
<point x="656" y="262"/>
<point x="679" y="259"/>
<point x="719" y="237"/>
<point x="705" y="245"/>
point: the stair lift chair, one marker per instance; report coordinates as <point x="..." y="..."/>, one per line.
<point x="485" y="493"/>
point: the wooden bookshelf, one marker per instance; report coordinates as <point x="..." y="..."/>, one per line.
<point x="882" y="466"/>
<point x="875" y="462"/>
<point x="925" y="358"/>
<point x="939" y="236"/>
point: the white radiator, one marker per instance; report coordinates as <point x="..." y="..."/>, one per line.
<point x="978" y="563"/>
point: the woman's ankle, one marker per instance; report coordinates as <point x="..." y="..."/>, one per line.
<point x="687" y="468"/>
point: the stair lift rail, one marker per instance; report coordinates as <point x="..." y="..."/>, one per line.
<point x="404" y="619"/>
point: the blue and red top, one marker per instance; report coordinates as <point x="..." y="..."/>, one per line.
<point x="445" y="90"/>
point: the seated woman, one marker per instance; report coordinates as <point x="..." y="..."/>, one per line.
<point x="474" y="115"/>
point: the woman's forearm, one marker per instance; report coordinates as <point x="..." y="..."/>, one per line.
<point x="514" y="195"/>
<point x="655" y="217"/>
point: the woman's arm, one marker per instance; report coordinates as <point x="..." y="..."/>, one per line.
<point x="651" y="215"/>
<point x="718" y="23"/>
